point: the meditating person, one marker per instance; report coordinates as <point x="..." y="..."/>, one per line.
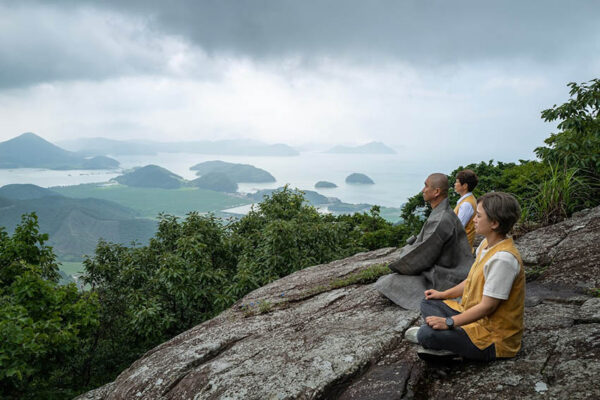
<point x="487" y="323"/>
<point x="439" y="257"/>
<point x="466" y="181"/>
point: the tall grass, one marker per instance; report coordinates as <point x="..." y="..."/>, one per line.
<point x="559" y="195"/>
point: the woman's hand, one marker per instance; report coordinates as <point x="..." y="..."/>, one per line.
<point x="437" y="323"/>
<point x="434" y="294"/>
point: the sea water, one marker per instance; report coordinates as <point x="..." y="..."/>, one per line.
<point x="396" y="176"/>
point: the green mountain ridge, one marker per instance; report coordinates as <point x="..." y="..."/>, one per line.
<point x="31" y="151"/>
<point x="74" y="226"/>
<point x="236" y="172"/>
<point x="151" y="176"/>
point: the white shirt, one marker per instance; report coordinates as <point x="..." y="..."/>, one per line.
<point x="499" y="272"/>
<point x="465" y="211"/>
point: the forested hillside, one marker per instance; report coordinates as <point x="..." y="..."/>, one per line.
<point x="56" y="342"/>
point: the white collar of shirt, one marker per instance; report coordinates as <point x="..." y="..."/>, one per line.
<point x="464" y="197"/>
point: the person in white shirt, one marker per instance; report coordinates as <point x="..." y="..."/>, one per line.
<point x="466" y="181"/>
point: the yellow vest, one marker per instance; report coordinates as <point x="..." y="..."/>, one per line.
<point x="470" y="227"/>
<point x="504" y="327"/>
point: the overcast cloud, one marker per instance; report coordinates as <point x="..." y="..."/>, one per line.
<point x="406" y="73"/>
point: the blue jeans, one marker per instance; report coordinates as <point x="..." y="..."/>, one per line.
<point x="456" y="340"/>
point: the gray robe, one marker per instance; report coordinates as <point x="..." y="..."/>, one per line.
<point x="439" y="258"/>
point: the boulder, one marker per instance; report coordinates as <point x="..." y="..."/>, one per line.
<point x="320" y="334"/>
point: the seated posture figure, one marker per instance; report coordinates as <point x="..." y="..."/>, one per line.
<point x="488" y="322"/>
<point x="439" y="257"/>
<point x="466" y="181"/>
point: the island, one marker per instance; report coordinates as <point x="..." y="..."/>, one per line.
<point x="235" y="172"/>
<point x="359" y="179"/>
<point x="217" y="181"/>
<point x="31" y="151"/>
<point x="325" y="185"/>
<point x="151" y="176"/>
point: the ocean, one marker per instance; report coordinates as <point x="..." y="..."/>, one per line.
<point x="396" y="176"/>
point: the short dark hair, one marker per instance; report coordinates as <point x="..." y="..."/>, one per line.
<point x="440" y="181"/>
<point x="469" y="177"/>
<point x="502" y="208"/>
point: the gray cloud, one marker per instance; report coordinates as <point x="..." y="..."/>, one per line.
<point x="417" y="31"/>
<point x="67" y="39"/>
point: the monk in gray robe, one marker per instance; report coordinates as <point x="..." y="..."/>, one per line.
<point x="440" y="257"/>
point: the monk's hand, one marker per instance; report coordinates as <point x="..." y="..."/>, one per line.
<point x="433" y="294"/>
<point x="437" y="323"/>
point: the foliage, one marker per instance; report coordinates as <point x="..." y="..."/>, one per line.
<point x="44" y="327"/>
<point x="576" y="147"/>
<point x="558" y="195"/>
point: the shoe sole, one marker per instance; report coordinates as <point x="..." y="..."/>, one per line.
<point x="439" y="358"/>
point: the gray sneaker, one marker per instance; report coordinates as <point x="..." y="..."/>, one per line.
<point x="436" y="355"/>
<point x="411" y="334"/>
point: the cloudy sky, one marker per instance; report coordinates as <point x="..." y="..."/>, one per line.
<point x="416" y="75"/>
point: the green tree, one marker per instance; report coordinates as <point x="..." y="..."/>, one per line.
<point x="577" y="144"/>
<point x="45" y="328"/>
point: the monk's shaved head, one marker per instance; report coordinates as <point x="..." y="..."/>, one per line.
<point x="439" y="181"/>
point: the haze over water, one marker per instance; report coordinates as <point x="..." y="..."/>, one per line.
<point x="396" y="176"/>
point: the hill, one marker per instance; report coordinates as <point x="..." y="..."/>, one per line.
<point x="103" y="146"/>
<point x="151" y="176"/>
<point x="236" y="172"/>
<point x="25" y="192"/>
<point x="329" y="317"/>
<point x="74" y="225"/>
<point x="216" y="181"/>
<point x="325" y="185"/>
<point x="31" y="151"/>
<point x="359" y="179"/>
<point x="369" y="148"/>
<point x="149" y="202"/>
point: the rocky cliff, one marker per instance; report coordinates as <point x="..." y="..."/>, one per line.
<point x="324" y="332"/>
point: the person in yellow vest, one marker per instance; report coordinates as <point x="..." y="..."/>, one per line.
<point x="487" y="323"/>
<point x="466" y="181"/>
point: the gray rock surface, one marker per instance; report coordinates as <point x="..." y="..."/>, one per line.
<point x="306" y="336"/>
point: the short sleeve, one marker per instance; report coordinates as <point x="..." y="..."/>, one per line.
<point x="465" y="212"/>
<point x="500" y="272"/>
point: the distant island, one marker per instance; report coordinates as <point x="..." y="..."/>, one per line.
<point x="369" y="148"/>
<point x="325" y="185"/>
<point x="104" y="146"/>
<point x="216" y="181"/>
<point x="235" y="172"/>
<point x="151" y="176"/>
<point x="359" y="179"/>
<point x="310" y="196"/>
<point x="31" y="151"/>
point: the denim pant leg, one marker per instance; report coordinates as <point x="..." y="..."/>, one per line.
<point x="456" y="340"/>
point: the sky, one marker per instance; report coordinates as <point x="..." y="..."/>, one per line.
<point x="425" y="77"/>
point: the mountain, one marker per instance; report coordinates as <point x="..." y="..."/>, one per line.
<point x="216" y="181"/>
<point x="74" y="226"/>
<point x="369" y="148"/>
<point x="236" y="172"/>
<point x="31" y="151"/>
<point x="151" y="176"/>
<point x="103" y="146"/>
<point x="330" y="318"/>
<point x="25" y="192"/>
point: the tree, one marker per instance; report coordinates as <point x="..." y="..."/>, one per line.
<point x="45" y="328"/>
<point x="577" y="145"/>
